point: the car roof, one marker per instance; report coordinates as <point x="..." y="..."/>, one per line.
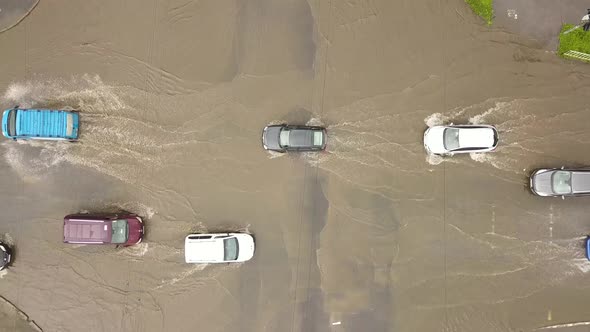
<point x="301" y="137"/>
<point x="87" y="231"/>
<point x="204" y="250"/>
<point x="476" y="137"/>
<point x="580" y="182"/>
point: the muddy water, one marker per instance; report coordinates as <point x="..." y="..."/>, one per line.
<point x="369" y="236"/>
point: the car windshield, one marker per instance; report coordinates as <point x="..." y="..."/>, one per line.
<point x="230" y="249"/>
<point x="451" y="138"/>
<point x="318" y="138"/>
<point x="284" y="138"/>
<point x="120" y="230"/>
<point x="12" y="123"/>
<point x="562" y="183"/>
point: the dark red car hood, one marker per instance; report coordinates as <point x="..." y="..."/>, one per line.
<point x="135" y="225"/>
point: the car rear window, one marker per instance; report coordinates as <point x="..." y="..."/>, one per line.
<point x="318" y="138"/>
<point x="230" y="249"/>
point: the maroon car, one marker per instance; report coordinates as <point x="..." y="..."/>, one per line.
<point x="120" y="229"/>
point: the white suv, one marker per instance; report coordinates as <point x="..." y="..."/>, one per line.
<point x="218" y="248"/>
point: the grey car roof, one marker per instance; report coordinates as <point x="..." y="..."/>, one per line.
<point x="580" y="182"/>
<point x="301" y="137"/>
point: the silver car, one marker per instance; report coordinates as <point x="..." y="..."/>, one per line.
<point x="561" y="182"/>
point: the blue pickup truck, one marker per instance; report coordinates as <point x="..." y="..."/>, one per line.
<point x="40" y="124"/>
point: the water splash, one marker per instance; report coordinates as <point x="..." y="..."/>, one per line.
<point x="88" y="93"/>
<point x="274" y="154"/>
<point x="7" y="238"/>
<point x="138" y="208"/>
<point x="499" y="161"/>
<point x="199" y="227"/>
<point x="434" y="159"/>
<point x="315" y="122"/>
<point x="113" y="140"/>
<point x="33" y="164"/>
<point x="479" y="113"/>
<point x="582" y="264"/>
<point x="183" y="275"/>
<point x="276" y="122"/>
<point x="481" y="118"/>
<point x="138" y="250"/>
<point x="436" y="119"/>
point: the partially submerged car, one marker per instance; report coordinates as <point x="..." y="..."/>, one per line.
<point x="5" y="255"/>
<point x="283" y="138"/>
<point x="588" y="248"/>
<point x="120" y="229"/>
<point x="218" y="248"/>
<point x="451" y="139"/>
<point x="560" y="182"/>
<point x="40" y="124"/>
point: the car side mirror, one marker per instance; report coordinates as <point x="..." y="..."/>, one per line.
<point x="562" y="197"/>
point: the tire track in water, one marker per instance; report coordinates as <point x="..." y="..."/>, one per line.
<point x="554" y="261"/>
<point x="113" y="140"/>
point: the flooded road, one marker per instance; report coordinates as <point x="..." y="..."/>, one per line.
<point x="371" y="235"/>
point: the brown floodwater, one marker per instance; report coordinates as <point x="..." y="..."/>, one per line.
<point x="371" y="235"/>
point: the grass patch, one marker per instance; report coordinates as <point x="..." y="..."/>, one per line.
<point x="577" y="40"/>
<point x="482" y="8"/>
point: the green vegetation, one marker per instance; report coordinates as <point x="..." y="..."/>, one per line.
<point x="576" y="40"/>
<point x="482" y="8"/>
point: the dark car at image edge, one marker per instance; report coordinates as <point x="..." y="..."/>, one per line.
<point x="6" y="255"/>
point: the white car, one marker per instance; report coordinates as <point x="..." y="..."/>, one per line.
<point x="218" y="248"/>
<point x="448" y="140"/>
